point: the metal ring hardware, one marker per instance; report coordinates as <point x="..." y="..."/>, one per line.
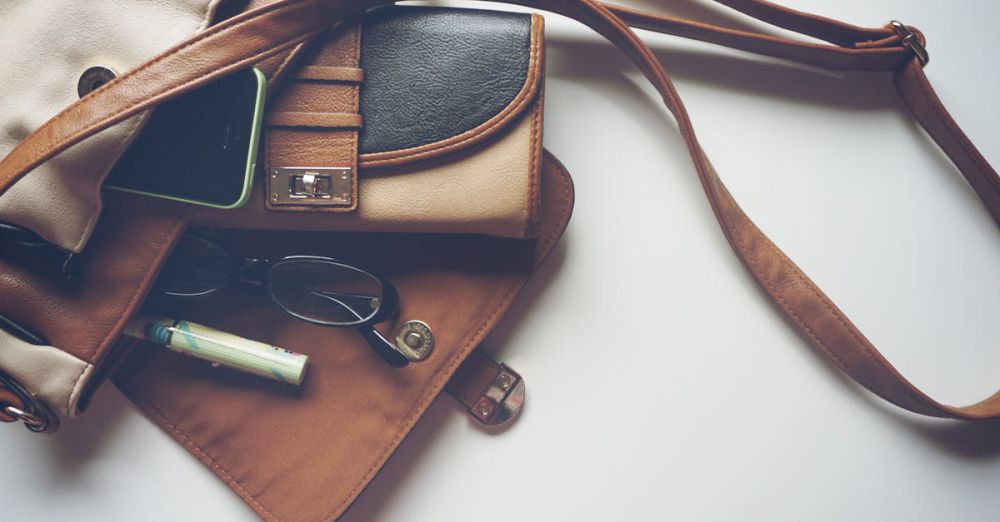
<point x="502" y="400"/>
<point x="25" y="417"/>
<point x="37" y="418"/>
<point x="911" y="41"/>
<point x="94" y="78"/>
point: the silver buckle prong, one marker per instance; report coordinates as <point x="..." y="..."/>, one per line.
<point x="911" y="41"/>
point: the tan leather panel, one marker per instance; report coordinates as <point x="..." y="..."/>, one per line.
<point x="490" y="189"/>
<point x="83" y="316"/>
<point x="47" y="46"/>
<point x="868" y="49"/>
<point x="48" y="373"/>
<point x="314" y="448"/>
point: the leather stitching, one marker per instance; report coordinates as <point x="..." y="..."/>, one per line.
<point x="956" y="132"/>
<point x="654" y="71"/>
<point x="97" y="127"/>
<point x="126" y="139"/>
<point x="801" y="51"/>
<point x="280" y="70"/>
<point x="472" y="136"/>
<point x="356" y="104"/>
<point x="75" y="389"/>
<point x="207" y="458"/>
<point x="800" y="277"/>
<point x="535" y="171"/>
<point x="134" y="301"/>
<point x="350" y="126"/>
<point x="128" y="133"/>
<point x="565" y="202"/>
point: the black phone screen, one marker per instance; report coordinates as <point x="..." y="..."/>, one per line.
<point x="197" y="146"/>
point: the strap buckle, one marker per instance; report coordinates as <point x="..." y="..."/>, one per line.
<point x="911" y="41"/>
<point x="502" y="400"/>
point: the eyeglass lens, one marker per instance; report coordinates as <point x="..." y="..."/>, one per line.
<point x="196" y="267"/>
<point x="324" y="291"/>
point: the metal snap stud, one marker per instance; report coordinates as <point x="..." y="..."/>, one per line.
<point x="416" y="340"/>
<point x="93" y="78"/>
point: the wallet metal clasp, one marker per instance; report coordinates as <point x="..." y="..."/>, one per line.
<point x="311" y="186"/>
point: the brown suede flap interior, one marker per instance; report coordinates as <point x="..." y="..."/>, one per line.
<point x="306" y="453"/>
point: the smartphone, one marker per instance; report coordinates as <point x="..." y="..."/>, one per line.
<point x="200" y="147"/>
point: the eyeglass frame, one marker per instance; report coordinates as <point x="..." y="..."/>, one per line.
<point x="388" y="305"/>
<point x="50" y="256"/>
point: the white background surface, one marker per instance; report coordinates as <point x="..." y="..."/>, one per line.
<point x="661" y="383"/>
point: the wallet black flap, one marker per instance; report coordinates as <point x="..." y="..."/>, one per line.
<point x="433" y="74"/>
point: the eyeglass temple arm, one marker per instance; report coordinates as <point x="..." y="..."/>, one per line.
<point x="382" y="346"/>
<point x="340" y="297"/>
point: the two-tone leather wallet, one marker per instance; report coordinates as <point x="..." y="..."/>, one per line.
<point x="410" y="120"/>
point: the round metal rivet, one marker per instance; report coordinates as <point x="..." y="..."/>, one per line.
<point x="93" y="78"/>
<point x="484" y="408"/>
<point x="415" y="340"/>
<point x="504" y="381"/>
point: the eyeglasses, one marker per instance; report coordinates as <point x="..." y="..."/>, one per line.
<point x="23" y="245"/>
<point x="315" y="289"/>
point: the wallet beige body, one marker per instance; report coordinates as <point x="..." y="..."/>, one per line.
<point x="441" y="195"/>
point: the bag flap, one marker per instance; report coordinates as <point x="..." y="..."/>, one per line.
<point x="334" y="433"/>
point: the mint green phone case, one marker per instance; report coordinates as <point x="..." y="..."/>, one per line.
<point x="251" y="165"/>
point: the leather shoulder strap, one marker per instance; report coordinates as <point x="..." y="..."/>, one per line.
<point x="269" y="30"/>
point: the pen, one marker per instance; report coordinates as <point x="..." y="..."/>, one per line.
<point x="221" y="348"/>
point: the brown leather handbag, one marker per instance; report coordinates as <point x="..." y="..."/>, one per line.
<point x="358" y="409"/>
